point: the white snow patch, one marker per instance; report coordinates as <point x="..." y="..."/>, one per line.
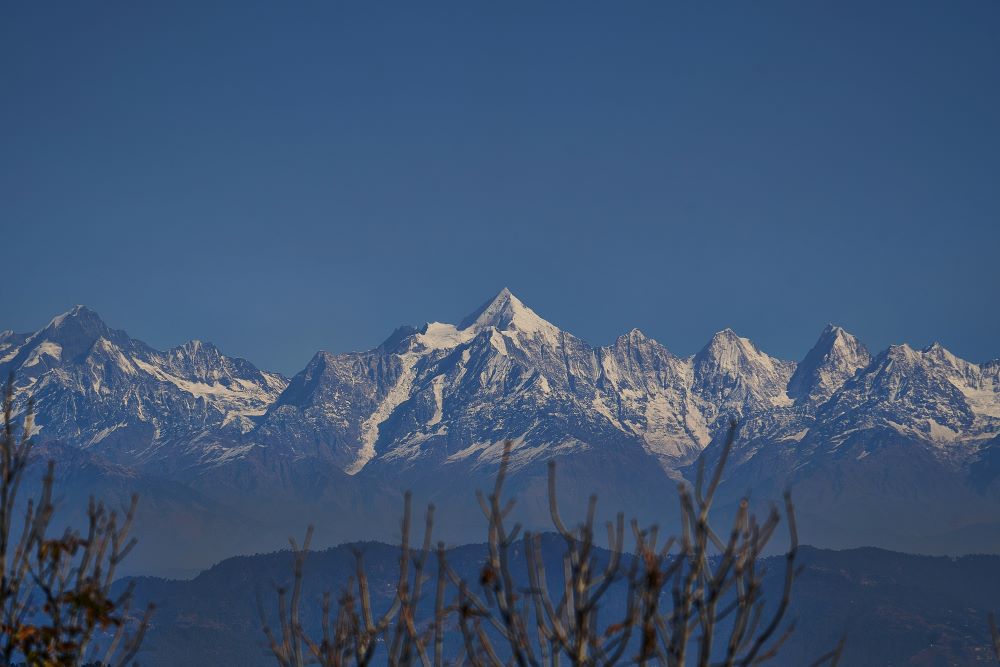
<point x="57" y="321"/>
<point x="440" y="336"/>
<point x="104" y="433"/>
<point x="47" y="348"/>
<point x="474" y="448"/>
<point x="437" y="387"/>
<point x="983" y="402"/>
<point x="610" y="368"/>
<point x="409" y="447"/>
<point x="505" y="310"/>
<point x="232" y="453"/>
<point x="115" y="353"/>
<point x="522" y="453"/>
<point x="498" y="342"/>
<point x="730" y="351"/>
<point x="940" y="432"/>
<point x="782" y="400"/>
<point x="239" y="395"/>
<point x="602" y="409"/>
<point x="694" y="420"/>
<point x="10" y="355"/>
<point x="507" y="307"/>
<point x="662" y="432"/>
<point x="399" y="393"/>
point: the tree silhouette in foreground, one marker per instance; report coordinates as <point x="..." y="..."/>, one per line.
<point x="995" y="636"/>
<point x="55" y="591"/>
<point x="695" y="598"/>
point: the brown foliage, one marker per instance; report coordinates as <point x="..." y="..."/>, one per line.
<point x="55" y="592"/>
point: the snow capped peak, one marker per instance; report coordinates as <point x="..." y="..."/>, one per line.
<point x="197" y="356"/>
<point x="493" y="313"/>
<point x="398" y="336"/>
<point x="732" y="373"/>
<point x="730" y="355"/>
<point x="79" y="322"/>
<point x="728" y="345"/>
<point x="833" y="335"/>
<point x="939" y="351"/>
<point x="935" y="359"/>
<point x="634" y="336"/>
<point x="195" y="347"/>
<point x="835" y="358"/>
<point x="734" y="356"/>
<point x="896" y="360"/>
<point x="503" y="312"/>
<point x="960" y="371"/>
<point x="837" y="338"/>
<point x="490" y="310"/>
<point x="930" y="394"/>
<point x="901" y="351"/>
<point x="75" y="331"/>
<point x="728" y="349"/>
<point x="934" y="354"/>
<point x="76" y="313"/>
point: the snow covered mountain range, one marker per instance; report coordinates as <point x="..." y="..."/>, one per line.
<point x="899" y="449"/>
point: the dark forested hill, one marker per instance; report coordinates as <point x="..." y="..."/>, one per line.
<point x="896" y="609"/>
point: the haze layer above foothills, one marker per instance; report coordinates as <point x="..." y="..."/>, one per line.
<point x="899" y="449"/>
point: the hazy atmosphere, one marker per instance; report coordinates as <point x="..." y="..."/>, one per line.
<point x="500" y="333"/>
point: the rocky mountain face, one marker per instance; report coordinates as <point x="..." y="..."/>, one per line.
<point x="834" y="360"/>
<point x="894" y="450"/>
<point x="100" y="390"/>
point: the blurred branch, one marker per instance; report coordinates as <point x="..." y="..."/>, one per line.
<point x="694" y="599"/>
<point x="55" y="592"/>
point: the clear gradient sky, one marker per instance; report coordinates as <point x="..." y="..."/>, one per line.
<point x="285" y="177"/>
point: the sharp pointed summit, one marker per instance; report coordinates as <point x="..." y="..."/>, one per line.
<point x="437" y="402"/>
<point x="728" y="351"/>
<point x="942" y="355"/>
<point x="733" y="373"/>
<point x="79" y="319"/>
<point x="834" y="359"/>
<point x="65" y="338"/>
<point x="634" y="336"/>
<point x="503" y="312"/>
<point x="492" y="307"/>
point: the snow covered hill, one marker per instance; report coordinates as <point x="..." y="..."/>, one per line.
<point x="100" y="390"/>
<point x="907" y="440"/>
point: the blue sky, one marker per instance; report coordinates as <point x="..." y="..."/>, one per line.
<point x="285" y="177"/>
